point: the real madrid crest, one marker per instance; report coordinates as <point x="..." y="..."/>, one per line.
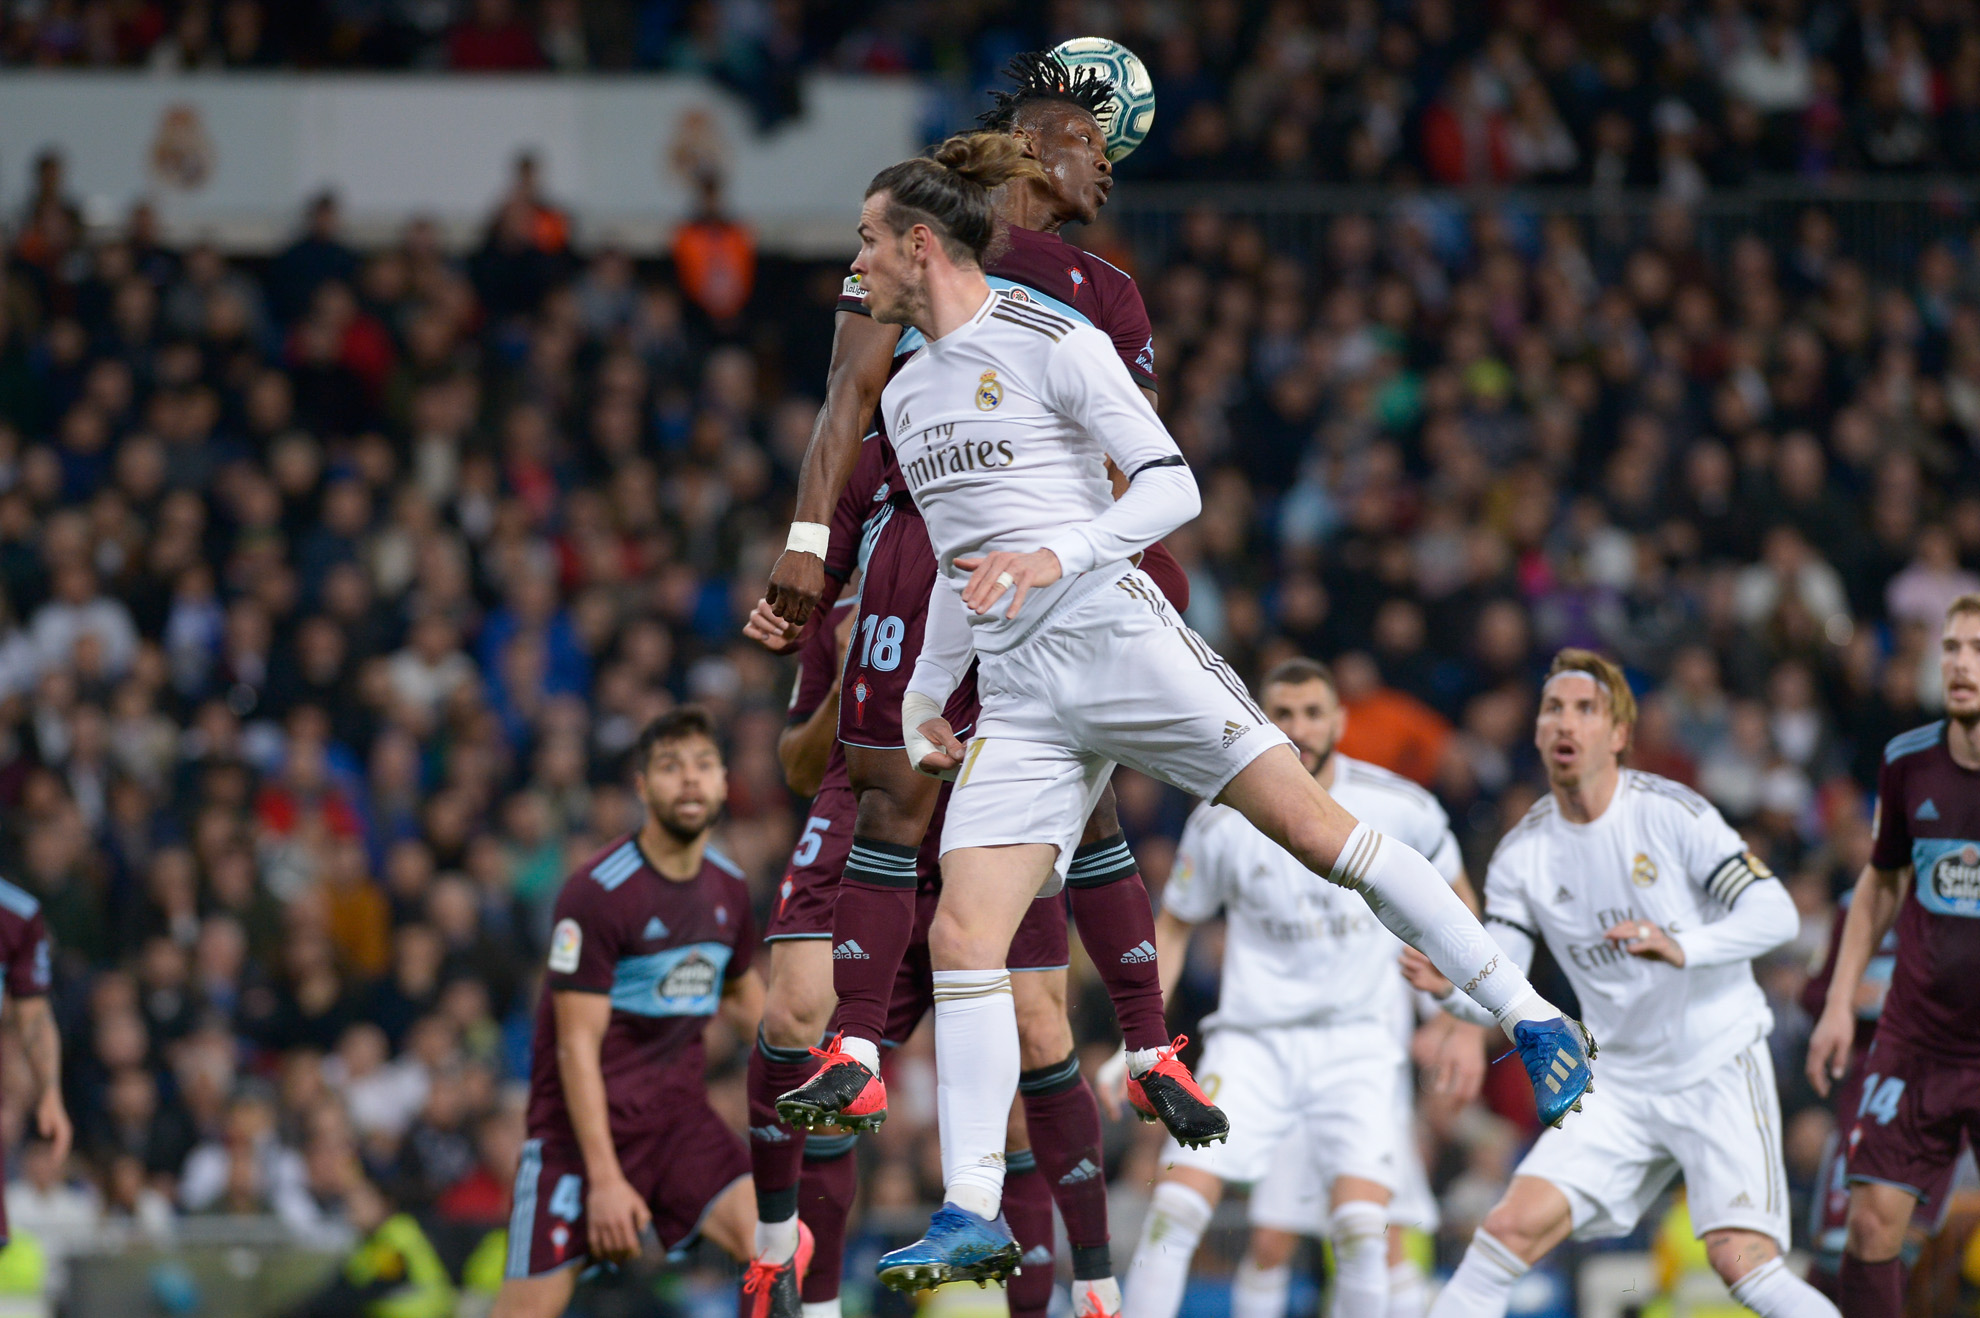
<point x="1644" y="872"/>
<point x="988" y="392"/>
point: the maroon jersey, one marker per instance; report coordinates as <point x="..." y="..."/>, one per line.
<point x="874" y="477"/>
<point x="24" y="952"/>
<point x="664" y="951"/>
<point x="1928" y="817"/>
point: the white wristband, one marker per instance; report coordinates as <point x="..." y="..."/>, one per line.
<point x="917" y="709"/>
<point x="812" y="538"/>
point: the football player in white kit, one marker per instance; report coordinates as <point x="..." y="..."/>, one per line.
<point x="1654" y="908"/>
<point x="1304" y="1052"/>
<point x="1003" y="423"/>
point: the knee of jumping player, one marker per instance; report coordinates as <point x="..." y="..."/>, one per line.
<point x="1879" y="1215"/>
<point x="795" y="1014"/>
<point x="1734" y="1253"/>
<point x="1044" y="1036"/>
<point x="954" y="945"/>
<point x="1530" y="1220"/>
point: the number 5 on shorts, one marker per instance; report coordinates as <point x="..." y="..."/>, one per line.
<point x="809" y="843"/>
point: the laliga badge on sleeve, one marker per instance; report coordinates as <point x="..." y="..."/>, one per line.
<point x="566" y="940"/>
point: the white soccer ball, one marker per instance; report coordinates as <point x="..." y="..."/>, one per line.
<point x="1126" y="118"/>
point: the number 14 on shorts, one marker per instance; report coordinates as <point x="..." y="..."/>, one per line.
<point x="1880" y="1097"/>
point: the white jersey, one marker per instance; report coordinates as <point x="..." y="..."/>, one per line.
<point x="1661" y="853"/>
<point x="1299" y="950"/>
<point x="1003" y="427"/>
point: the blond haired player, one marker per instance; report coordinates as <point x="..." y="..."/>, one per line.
<point x="1654" y="908"/>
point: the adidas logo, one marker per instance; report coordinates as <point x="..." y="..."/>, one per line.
<point x="1563" y="896"/>
<point x="1086" y="1171"/>
<point x="1232" y="731"/>
<point x="1927" y="811"/>
<point x="1038" y="1256"/>
<point x="850" y="951"/>
<point x="770" y="1134"/>
<point x="1139" y="954"/>
<point x="655" y="929"/>
<point x="1741" y="1201"/>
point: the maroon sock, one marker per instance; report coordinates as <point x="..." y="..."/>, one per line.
<point x="1871" y="1290"/>
<point x="775" y="1149"/>
<point x="825" y="1196"/>
<point x="1028" y="1210"/>
<point x="1064" y="1122"/>
<point x="871" y="927"/>
<point x="1116" y="924"/>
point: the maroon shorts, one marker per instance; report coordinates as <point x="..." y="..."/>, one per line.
<point x="886" y="639"/>
<point x="1040" y="942"/>
<point x="1914" y="1112"/>
<point x="681" y="1167"/>
<point x="811" y="885"/>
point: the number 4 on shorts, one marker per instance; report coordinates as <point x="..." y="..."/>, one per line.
<point x="567" y="1200"/>
<point x="1880" y="1098"/>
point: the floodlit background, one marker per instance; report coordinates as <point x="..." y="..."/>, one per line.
<point x="400" y="403"/>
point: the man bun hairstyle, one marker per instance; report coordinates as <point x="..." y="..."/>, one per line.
<point x="1608" y="676"/>
<point x="1040" y="77"/>
<point x="949" y="189"/>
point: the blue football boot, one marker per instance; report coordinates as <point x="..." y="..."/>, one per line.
<point x="1556" y="1054"/>
<point x="959" y="1246"/>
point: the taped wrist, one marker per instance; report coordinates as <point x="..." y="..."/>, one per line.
<point x="812" y="538"/>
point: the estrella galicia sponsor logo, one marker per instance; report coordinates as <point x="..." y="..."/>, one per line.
<point x="694" y="977"/>
<point x="1948" y="875"/>
<point x="945" y="457"/>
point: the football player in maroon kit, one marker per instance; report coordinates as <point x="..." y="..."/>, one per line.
<point x="1921" y="1083"/>
<point x="1052" y="112"/>
<point x="25" y="973"/>
<point x="653" y="936"/>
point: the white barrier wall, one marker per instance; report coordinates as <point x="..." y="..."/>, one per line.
<point x="235" y="156"/>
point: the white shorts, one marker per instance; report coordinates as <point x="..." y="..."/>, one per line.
<point x="1116" y="679"/>
<point x="1335" y="1084"/>
<point x="1293" y="1196"/>
<point x="1614" y="1158"/>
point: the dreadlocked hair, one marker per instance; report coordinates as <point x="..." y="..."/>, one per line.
<point x="949" y="189"/>
<point x="1040" y="75"/>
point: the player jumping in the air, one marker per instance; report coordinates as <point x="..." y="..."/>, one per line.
<point x="1921" y="1082"/>
<point x="1654" y="907"/>
<point x="1003" y="425"/>
<point x="865" y="919"/>
<point x="1305" y="1038"/>
<point x="652" y="937"/>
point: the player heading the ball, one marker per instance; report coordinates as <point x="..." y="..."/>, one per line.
<point x="1004" y="423"/>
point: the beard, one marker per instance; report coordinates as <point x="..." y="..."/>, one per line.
<point x="681" y="832"/>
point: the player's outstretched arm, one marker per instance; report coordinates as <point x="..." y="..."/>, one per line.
<point x="34" y="1025"/>
<point x="862" y="352"/>
<point x="805" y="749"/>
<point x="615" y="1212"/>
<point x="1872" y="911"/>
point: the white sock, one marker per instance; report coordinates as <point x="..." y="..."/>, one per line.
<point x="1771" y="1291"/>
<point x="1096" y="1297"/>
<point x="1177" y="1216"/>
<point x="1141" y="1059"/>
<point x="777" y="1241"/>
<point x="863" y="1051"/>
<point x="1407" y="1296"/>
<point x="1260" y="1292"/>
<point x="976" y="1076"/>
<point x="1361" y="1260"/>
<point x="1482" y="1285"/>
<point x="1412" y="899"/>
<point x="822" y="1308"/>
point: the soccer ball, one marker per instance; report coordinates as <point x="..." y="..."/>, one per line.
<point x="1127" y="118"/>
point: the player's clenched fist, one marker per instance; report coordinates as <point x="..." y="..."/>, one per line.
<point x="797" y="583"/>
<point x="996" y="572"/>
<point x="616" y="1215"/>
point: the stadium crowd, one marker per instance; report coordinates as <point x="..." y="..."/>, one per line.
<point x="337" y="585"/>
<point x="1680" y="96"/>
